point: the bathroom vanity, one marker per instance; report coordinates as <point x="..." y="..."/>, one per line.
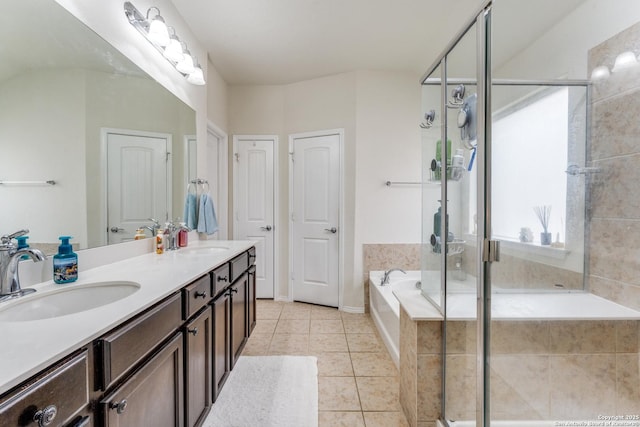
<point x="159" y="356"/>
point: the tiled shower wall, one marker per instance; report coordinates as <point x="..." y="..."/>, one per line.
<point x="615" y="196"/>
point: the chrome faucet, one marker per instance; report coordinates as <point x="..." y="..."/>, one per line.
<point x="152" y="228"/>
<point x="172" y="234"/>
<point x="385" y="276"/>
<point x="9" y="258"/>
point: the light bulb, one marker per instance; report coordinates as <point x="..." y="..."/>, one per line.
<point x="186" y="65"/>
<point x="601" y="72"/>
<point x="173" y="51"/>
<point x="158" y="32"/>
<point x="197" y="77"/>
<point x="623" y="61"/>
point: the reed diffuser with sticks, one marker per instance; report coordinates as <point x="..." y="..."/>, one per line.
<point x="544" y="213"/>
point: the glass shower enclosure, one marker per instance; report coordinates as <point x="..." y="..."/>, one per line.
<point x="511" y="190"/>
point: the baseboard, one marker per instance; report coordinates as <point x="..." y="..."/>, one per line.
<point x="283" y="298"/>
<point x="348" y="309"/>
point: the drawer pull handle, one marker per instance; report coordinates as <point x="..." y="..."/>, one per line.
<point x="193" y="331"/>
<point x="200" y="294"/>
<point x="119" y="406"/>
<point x="222" y="278"/>
<point x="46" y="416"/>
<point x="234" y="290"/>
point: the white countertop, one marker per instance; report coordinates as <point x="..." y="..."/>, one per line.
<point x="27" y="347"/>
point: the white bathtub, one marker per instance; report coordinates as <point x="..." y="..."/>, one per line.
<point x="561" y="305"/>
<point x="385" y="308"/>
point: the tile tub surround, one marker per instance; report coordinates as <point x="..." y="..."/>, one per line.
<point x="614" y="264"/>
<point x="540" y="370"/>
<point x="384" y="256"/>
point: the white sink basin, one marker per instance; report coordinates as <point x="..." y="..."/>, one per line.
<point x="203" y="250"/>
<point x="65" y="301"/>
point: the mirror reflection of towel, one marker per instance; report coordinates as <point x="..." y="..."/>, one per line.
<point x="207" y="221"/>
<point x="189" y="216"/>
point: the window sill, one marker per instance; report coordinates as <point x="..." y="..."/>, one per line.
<point x="518" y="248"/>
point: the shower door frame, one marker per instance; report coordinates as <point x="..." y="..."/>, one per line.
<point x="482" y="20"/>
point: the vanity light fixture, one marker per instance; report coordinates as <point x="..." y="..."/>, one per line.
<point x="169" y="45"/>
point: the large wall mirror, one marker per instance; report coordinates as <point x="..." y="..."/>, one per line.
<point x="116" y="146"/>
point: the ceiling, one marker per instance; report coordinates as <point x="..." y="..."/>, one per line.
<point x="284" y="41"/>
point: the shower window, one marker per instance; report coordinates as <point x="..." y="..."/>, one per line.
<point x="530" y="140"/>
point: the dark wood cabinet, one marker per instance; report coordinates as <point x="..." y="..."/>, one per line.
<point x="221" y="310"/>
<point x="239" y="297"/>
<point x="163" y="367"/>
<point x="152" y="395"/>
<point x="251" y="301"/>
<point x="52" y="398"/>
<point x="198" y="348"/>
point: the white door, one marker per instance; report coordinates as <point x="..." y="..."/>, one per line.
<point x="137" y="182"/>
<point x="253" y="201"/>
<point x="315" y="218"/>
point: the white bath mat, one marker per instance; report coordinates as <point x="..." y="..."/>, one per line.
<point x="264" y="391"/>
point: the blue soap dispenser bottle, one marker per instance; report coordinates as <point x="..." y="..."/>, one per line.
<point x="22" y="243"/>
<point x="65" y="263"/>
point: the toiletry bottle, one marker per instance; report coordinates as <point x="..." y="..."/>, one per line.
<point x="22" y="243"/>
<point x="437" y="220"/>
<point x="160" y="241"/>
<point x="458" y="159"/>
<point x="65" y="263"/>
<point x="139" y="234"/>
<point x="439" y="157"/>
<point x="183" y="235"/>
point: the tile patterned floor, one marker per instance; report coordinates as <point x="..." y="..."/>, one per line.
<point x="357" y="380"/>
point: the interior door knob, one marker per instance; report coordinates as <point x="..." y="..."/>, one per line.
<point x="116" y="229"/>
<point x="331" y="230"/>
<point x="266" y="228"/>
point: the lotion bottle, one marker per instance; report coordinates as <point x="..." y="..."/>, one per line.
<point x="65" y="263"/>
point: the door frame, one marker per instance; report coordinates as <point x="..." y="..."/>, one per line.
<point x="222" y="179"/>
<point x="341" y="234"/>
<point x="276" y="201"/>
<point x="104" y="196"/>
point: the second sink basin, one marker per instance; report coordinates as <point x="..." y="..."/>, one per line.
<point x="65" y="301"/>
<point x="203" y="250"/>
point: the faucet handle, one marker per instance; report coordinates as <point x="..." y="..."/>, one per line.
<point x="6" y="239"/>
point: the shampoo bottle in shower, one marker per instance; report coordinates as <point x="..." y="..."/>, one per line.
<point x="65" y="263"/>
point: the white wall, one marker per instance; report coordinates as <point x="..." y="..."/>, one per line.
<point x="24" y="116"/>
<point x="379" y="112"/>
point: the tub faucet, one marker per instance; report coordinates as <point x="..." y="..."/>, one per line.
<point x="385" y="276"/>
<point x="9" y="257"/>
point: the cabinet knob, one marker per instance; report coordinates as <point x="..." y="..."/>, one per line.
<point x="200" y="294"/>
<point x="193" y="331"/>
<point x="119" y="406"/>
<point x="46" y="416"/>
<point x="223" y="278"/>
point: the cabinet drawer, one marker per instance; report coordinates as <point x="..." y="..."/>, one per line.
<point x="195" y="296"/>
<point x="61" y="392"/>
<point x="220" y="279"/>
<point x="239" y="265"/>
<point x="128" y="344"/>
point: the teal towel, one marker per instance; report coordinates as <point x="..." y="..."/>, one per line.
<point x="189" y="216"/>
<point x="207" y="221"/>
